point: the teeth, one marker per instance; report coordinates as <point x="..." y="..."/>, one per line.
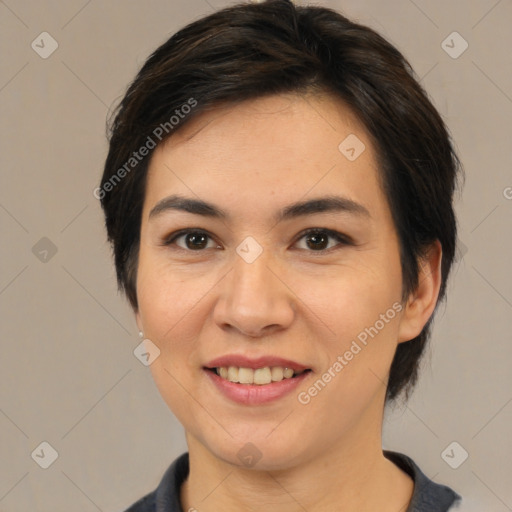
<point x="260" y="376"/>
<point x="277" y="373"/>
<point x="288" y="372"/>
<point x="233" y="374"/>
<point x="245" y="375"/>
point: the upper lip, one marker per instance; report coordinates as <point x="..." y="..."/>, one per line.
<point x="254" y="363"/>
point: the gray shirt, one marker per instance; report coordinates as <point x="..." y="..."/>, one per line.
<point x="428" y="496"/>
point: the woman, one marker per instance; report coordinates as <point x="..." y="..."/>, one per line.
<point x="278" y="194"/>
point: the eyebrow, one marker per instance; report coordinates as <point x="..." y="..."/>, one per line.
<point x="317" y="205"/>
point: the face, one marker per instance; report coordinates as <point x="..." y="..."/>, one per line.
<point x="250" y="281"/>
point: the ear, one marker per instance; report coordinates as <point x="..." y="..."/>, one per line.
<point x="422" y="301"/>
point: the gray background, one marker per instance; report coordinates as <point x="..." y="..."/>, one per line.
<point x="67" y="369"/>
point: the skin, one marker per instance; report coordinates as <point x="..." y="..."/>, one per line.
<point x="294" y="301"/>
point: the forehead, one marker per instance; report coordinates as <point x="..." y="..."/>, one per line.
<point x="287" y="118"/>
<point x="276" y="148"/>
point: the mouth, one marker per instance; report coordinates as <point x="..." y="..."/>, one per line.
<point x="256" y="376"/>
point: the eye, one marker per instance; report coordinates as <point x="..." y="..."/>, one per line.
<point x="194" y="239"/>
<point x="318" y="238"/>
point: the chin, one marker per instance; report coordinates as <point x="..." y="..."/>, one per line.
<point x="258" y="451"/>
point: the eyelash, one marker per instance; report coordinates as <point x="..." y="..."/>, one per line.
<point x="343" y="240"/>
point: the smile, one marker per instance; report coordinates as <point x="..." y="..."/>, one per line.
<point x="258" y="376"/>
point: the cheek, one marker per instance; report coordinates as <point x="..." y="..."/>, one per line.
<point x="167" y="296"/>
<point x="352" y="298"/>
<point x="167" y="305"/>
<point x="362" y="311"/>
<point x="355" y="372"/>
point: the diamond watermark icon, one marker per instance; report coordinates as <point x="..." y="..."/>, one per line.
<point x="249" y="249"/>
<point x="460" y="251"/>
<point x="44" y="455"/>
<point x="249" y="455"/>
<point x="44" y="45"/>
<point x="44" y="250"/>
<point x="146" y="352"/>
<point x="454" y="455"/>
<point x="454" y="45"/>
<point x="351" y="147"/>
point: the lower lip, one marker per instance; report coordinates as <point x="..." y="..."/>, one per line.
<point x="253" y="394"/>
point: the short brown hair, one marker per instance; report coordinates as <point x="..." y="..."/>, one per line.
<point x="248" y="51"/>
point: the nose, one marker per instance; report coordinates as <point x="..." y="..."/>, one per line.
<point x="254" y="298"/>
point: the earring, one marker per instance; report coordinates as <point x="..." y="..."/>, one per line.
<point x="141" y="334"/>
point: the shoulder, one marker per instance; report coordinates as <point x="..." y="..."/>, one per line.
<point x="145" y="504"/>
<point x="166" y="497"/>
<point x="428" y="495"/>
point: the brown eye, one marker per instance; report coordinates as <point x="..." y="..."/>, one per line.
<point x="196" y="240"/>
<point x="317" y="240"/>
<point x="193" y="240"/>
